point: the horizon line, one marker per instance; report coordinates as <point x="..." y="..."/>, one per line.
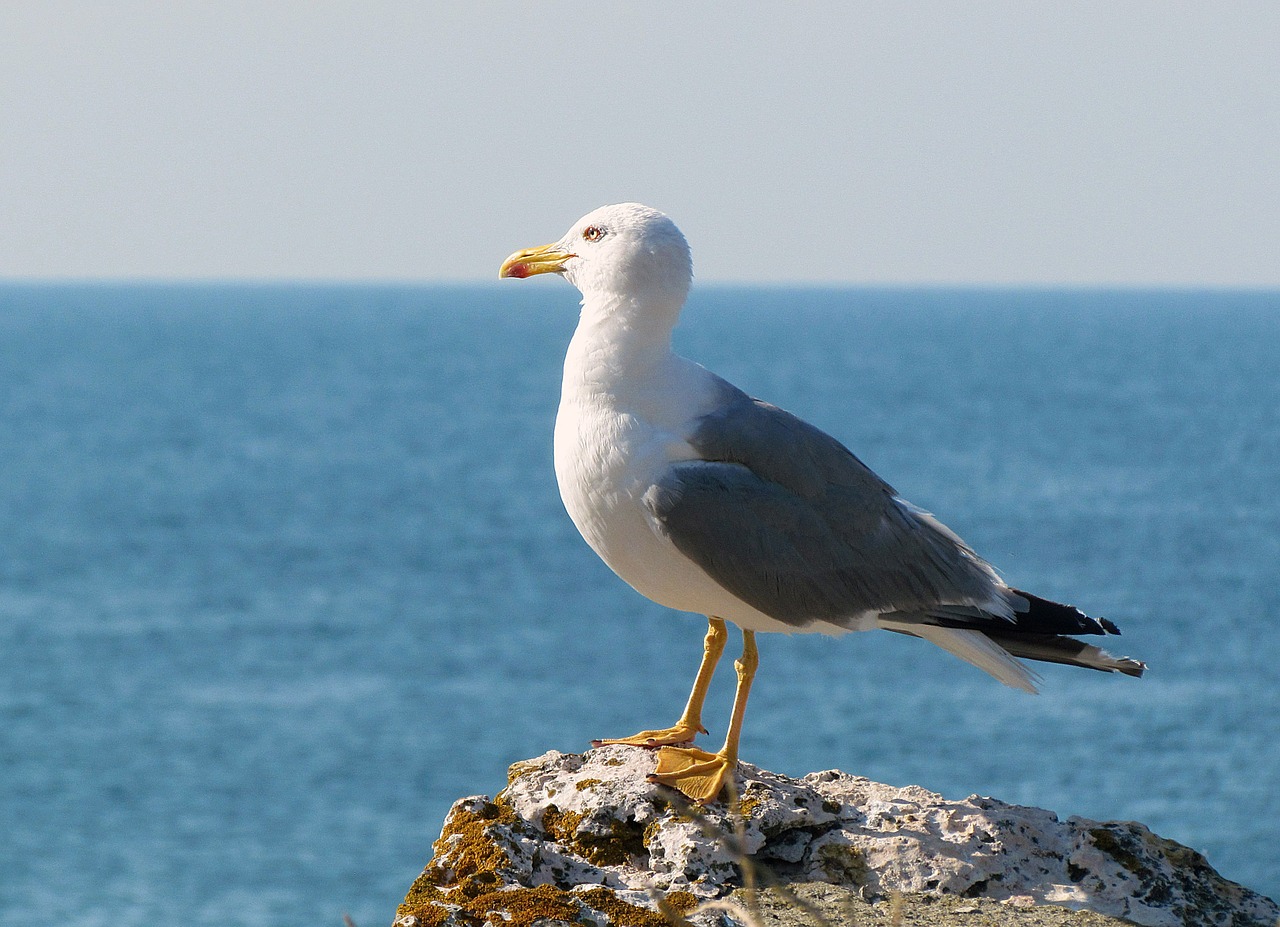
<point x="714" y="283"/>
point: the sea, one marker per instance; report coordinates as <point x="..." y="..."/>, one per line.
<point x="284" y="572"/>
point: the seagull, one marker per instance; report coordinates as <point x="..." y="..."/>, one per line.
<point x="707" y="500"/>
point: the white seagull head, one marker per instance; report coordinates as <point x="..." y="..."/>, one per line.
<point x="615" y="254"/>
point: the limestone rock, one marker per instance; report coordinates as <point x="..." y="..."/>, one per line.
<point x="586" y="839"/>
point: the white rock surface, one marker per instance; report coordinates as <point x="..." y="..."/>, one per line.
<point x="572" y="822"/>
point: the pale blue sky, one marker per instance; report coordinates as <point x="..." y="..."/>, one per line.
<point x="966" y="142"/>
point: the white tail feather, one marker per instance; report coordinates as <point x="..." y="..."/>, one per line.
<point x="972" y="647"/>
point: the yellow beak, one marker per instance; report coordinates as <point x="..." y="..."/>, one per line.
<point x="530" y="261"/>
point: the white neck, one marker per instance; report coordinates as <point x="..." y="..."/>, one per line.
<point x="618" y="340"/>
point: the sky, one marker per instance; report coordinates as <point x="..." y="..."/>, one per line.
<point x="1131" y="143"/>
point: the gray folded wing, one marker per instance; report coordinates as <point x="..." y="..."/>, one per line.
<point x="787" y="519"/>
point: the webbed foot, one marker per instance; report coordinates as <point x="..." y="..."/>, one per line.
<point x="696" y="773"/>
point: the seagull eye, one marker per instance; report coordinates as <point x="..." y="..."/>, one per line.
<point x="593" y="233"/>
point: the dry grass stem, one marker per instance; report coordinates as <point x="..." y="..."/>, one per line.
<point x="754" y="874"/>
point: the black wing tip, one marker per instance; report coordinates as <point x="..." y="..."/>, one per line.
<point x="1047" y="616"/>
<point x="1062" y="648"/>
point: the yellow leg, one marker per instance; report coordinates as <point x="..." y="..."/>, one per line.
<point x="690" y="723"/>
<point x="697" y="773"/>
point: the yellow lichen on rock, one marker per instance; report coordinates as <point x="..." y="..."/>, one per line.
<point x="521" y="907"/>
<point x="619" y="912"/>
<point x="465" y="851"/>
<point x="624" y="839"/>
<point x="465" y="864"/>
<point x="465" y="884"/>
<point x="561" y="826"/>
<point x="516" y="770"/>
<point x="427" y="905"/>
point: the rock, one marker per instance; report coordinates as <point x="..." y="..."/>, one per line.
<point x="586" y="839"/>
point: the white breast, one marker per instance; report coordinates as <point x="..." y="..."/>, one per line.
<point x="609" y="453"/>
<point x="606" y="459"/>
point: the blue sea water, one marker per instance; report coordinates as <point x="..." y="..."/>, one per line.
<point x="283" y="572"/>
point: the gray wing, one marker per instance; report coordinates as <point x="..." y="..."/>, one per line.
<point x="788" y="520"/>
